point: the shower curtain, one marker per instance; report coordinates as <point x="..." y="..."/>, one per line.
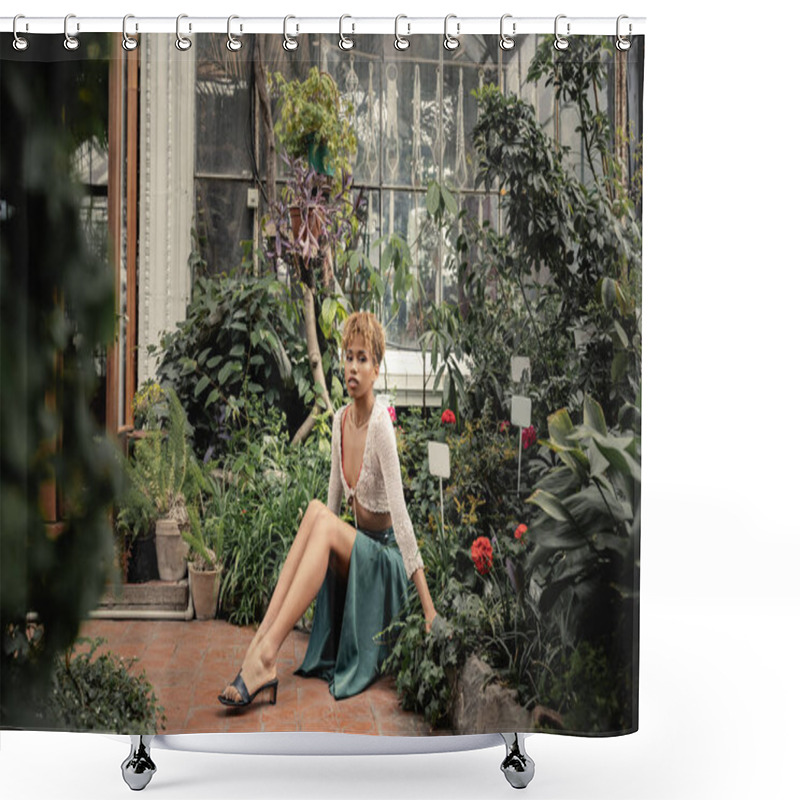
<point x="185" y="230"/>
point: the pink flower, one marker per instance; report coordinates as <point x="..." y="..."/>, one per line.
<point x="482" y="555"/>
<point x="504" y="426"/>
<point x="522" y="529"/>
<point x="392" y="413"/>
<point x="448" y="417"/>
<point x="528" y="437"/>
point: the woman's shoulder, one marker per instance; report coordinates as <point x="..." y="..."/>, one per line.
<point x="382" y="419"/>
<point x="336" y="425"/>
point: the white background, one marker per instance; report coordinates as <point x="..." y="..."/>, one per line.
<point x="720" y="604"/>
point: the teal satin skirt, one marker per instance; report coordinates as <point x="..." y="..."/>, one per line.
<point x="346" y="647"/>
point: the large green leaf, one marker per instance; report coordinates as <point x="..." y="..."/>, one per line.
<point x="559" y="481"/>
<point x="593" y="416"/>
<point x="593" y="509"/>
<point x="227" y="370"/>
<point x="559" y="427"/>
<point x="201" y="385"/>
<point x="597" y="462"/>
<point x="449" y="201"/>
<point x="551" y="506"/>
<point x="432" y="198"/>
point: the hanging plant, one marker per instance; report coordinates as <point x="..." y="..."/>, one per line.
<point x="314" y="122"/>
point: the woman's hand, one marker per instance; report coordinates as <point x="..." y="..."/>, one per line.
<point x="429" y="621"/>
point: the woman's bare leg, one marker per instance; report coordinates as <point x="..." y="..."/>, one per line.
<point x="329" y="541"/>
<point x="288" y="570"/>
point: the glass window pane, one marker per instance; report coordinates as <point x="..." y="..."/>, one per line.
<point x="225" y="142"/>
<point x="223" y="222"/>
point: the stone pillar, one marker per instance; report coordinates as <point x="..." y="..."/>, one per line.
<point x="166" y="190"/>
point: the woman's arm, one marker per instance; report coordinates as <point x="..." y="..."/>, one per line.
<point x="335" y="488"/>
<point x="384" y="444"/>
<point x="404" y="533"/>
<point x="425" y="597"/>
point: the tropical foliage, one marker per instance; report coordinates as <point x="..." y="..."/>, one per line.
<point x="239" y="351"/>
<point x="56" y="315"/>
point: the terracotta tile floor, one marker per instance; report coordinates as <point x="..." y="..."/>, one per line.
<point x="189" y="663"/>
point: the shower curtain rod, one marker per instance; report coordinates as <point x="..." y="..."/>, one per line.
<point x="74" y="25"/>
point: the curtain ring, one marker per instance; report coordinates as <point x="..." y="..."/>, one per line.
<point x="234" y="43"/>
<point x="70" y="42"/>
<point x="345" y="42"/>
<point x="20" y="42"/>
<point x="623" y="42"/>
<point x="561" y="43"/>
<point x="401" y="42"/>
<point x="128" y="42"/>
<point x="289" y="42"/>
<point x="506" y="41"/>
<point x="451" y="42"/>
<point x="181" y="42"/>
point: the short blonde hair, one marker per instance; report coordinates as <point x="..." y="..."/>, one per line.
<point x="366" y="325"/>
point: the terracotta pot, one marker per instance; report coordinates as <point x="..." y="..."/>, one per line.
<point x="171" y="550"/>
<point x="313" y="222"/>
<point x="204" y="586"/>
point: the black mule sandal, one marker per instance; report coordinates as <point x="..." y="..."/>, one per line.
<point x="245" y="697"/>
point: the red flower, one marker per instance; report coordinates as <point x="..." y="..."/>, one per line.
<point x="392" y="413"/>
<point x="482" y="555"/>
<point x="528" y="437"/>
<point x="522" y="528"/>
<point x="504" y="426"/>
<point x="448" y="417"/>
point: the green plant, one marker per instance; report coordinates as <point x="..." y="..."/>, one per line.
<point x="426" y="664"/>
<point x="312" y="112"/>
<point x="590" y="695"/>
<point x="56" y="314"/>
<point x="562" y="284"/>
<point x="100" y="694"/>
<point x="240" y="351"/>
<point x="149" y="406"/>
<point x="264" y="491"/>
<point x="164" y="477"/>
<point x="206" y="539"/>
<point x="584" y="564"/>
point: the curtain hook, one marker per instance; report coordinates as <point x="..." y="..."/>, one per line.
<point x="20" y="42"/>
<point x="345" y="42"/>
<point x="561" y="43"/>
<point x="70" y="42"/>
<point x="289" y="42"/>
<point x="506" y="41"/>
<point x="181" y="42"/>
<point x="401" y="42"/>
<point x="623" y="42"/>
<point x="234" y="43"/>
<point x="451" y="42"/>
<point x="128" y="42"/>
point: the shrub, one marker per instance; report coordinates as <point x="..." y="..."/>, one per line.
<point x="240" y="351"/>
<point x="100" y="694"/>
<point x="164" y="477"/>
<point x="258" y="507"/>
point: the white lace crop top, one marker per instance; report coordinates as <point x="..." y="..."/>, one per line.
<point x="379" y="487"/>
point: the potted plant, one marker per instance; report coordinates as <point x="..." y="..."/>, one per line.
<point x="205" y="540"/>
<point x="314" y="122"/>
<point x="136" y="513"/>
<point x="165" y="481"/>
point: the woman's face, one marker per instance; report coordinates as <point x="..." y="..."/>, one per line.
<point x="360" y="371"/>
